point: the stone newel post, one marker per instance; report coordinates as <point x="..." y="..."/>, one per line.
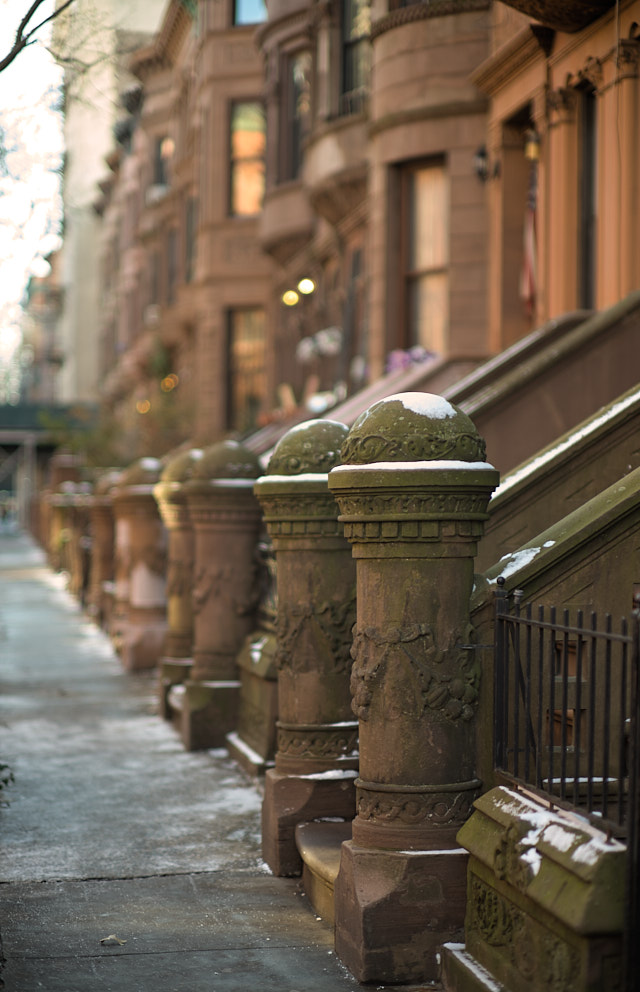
<point x="141" y="554"/>
<point x="413" y="494"/>
<point x="316" y="755"/>
<point x="225" y="517"/>
<point x="170" y="497"/>
<point x="102" y="548"/>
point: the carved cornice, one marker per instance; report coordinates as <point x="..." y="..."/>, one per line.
<point x="569" y="16"/>
<point x="423" y="11"/>
<point x="526" y="47"/>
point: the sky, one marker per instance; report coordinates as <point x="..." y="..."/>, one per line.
<point x="30" y="205"/>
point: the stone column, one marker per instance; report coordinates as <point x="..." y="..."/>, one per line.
<point x="100" y="599"/>
<point x="169" y="493"/>
<point x="413" y="496"/>
<point x="316" y="758"/>
<point x="225" y="516"/>
<point x="141" y="553"/>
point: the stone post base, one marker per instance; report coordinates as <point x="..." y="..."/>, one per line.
<point x="141" y="643"/>
<point x="209" y="712"/>
<point x="173" y="671"/>
<point x="293" y="799"/>
<point x="395" y="909"/>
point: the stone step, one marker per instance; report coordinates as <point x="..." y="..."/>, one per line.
<point x="462" y="973"/>
<point x="319" y="843"/>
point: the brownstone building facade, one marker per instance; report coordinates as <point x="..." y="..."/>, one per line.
<point x="299" y="200"/>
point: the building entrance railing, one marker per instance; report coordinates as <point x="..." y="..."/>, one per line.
<point x="567" y="721"/>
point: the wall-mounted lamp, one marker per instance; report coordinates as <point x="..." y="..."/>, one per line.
<point x="482" y="167"/>
<point x="531" y="145"/>
<point x="306" y="286"/>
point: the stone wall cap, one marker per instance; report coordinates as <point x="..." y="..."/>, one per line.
<point x="556" y="858"/>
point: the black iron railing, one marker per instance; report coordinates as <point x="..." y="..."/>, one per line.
<point x="567" y="722"/>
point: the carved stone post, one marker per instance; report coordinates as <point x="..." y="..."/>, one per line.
<point x="100" y="600"/>
<point x="141" y="551"/>
<point x="316" y="756"/>
<point x="170" y="497"/>
<point x="413" y="495"/>
<point x="225" y="516"/>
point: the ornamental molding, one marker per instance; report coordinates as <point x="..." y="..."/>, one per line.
<point x="366" y="449"/>
<point x="323" y="741"/>
<point x="179" y="577"/>
<point x="442" y="805"/>
<point x="522" y="942"/>
<point x="224" y="585"/>
<point x="407" y="668"/>
<point x="316" y="637"/>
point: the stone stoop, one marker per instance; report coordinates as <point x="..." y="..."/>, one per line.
<point x="319" y="843"/>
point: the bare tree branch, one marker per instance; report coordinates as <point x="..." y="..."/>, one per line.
<point x="25" y="35"/>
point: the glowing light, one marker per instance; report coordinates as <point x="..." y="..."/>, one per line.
<point x="306" y="286"/>
<point x="169" y="382"/>
<point x="290" y="298"/>
<point x="143" y="406"/>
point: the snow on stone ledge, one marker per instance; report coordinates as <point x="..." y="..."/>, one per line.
<point x="439" y="466"/>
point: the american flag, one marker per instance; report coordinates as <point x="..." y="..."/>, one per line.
<point x="528" y="278"/>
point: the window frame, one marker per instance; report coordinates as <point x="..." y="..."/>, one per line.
<point x="408" y="274"/>
<point x="236" y="416"/>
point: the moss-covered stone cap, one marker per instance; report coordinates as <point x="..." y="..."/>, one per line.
<point x="309" y="448"/>
<point x="144" y="472"/>
<point x="556" y="859"/>
<point x="226" y="460"/>
<point x="181" y="467"/>
<point x="412" y="427"/>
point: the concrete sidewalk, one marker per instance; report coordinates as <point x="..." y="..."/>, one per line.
<point x="111" y="828"/>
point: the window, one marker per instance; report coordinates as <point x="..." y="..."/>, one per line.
<point x="172" y="265"/>
<point x="249" y="12"/>
<point x="162" y="152"/>
<point x="247" y="158"/>
<point x="296" y="114"/>
<point x="191" y="213"/>
<point x="425" y="210"/>
<point x="246" y="363"/>
<point x="356" y="26"/>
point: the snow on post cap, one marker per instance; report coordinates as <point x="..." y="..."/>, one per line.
<point x="413" y="427"/>
<point x="311" y="447"/>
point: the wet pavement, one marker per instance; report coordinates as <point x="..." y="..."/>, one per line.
<point x="112" y="830"/>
